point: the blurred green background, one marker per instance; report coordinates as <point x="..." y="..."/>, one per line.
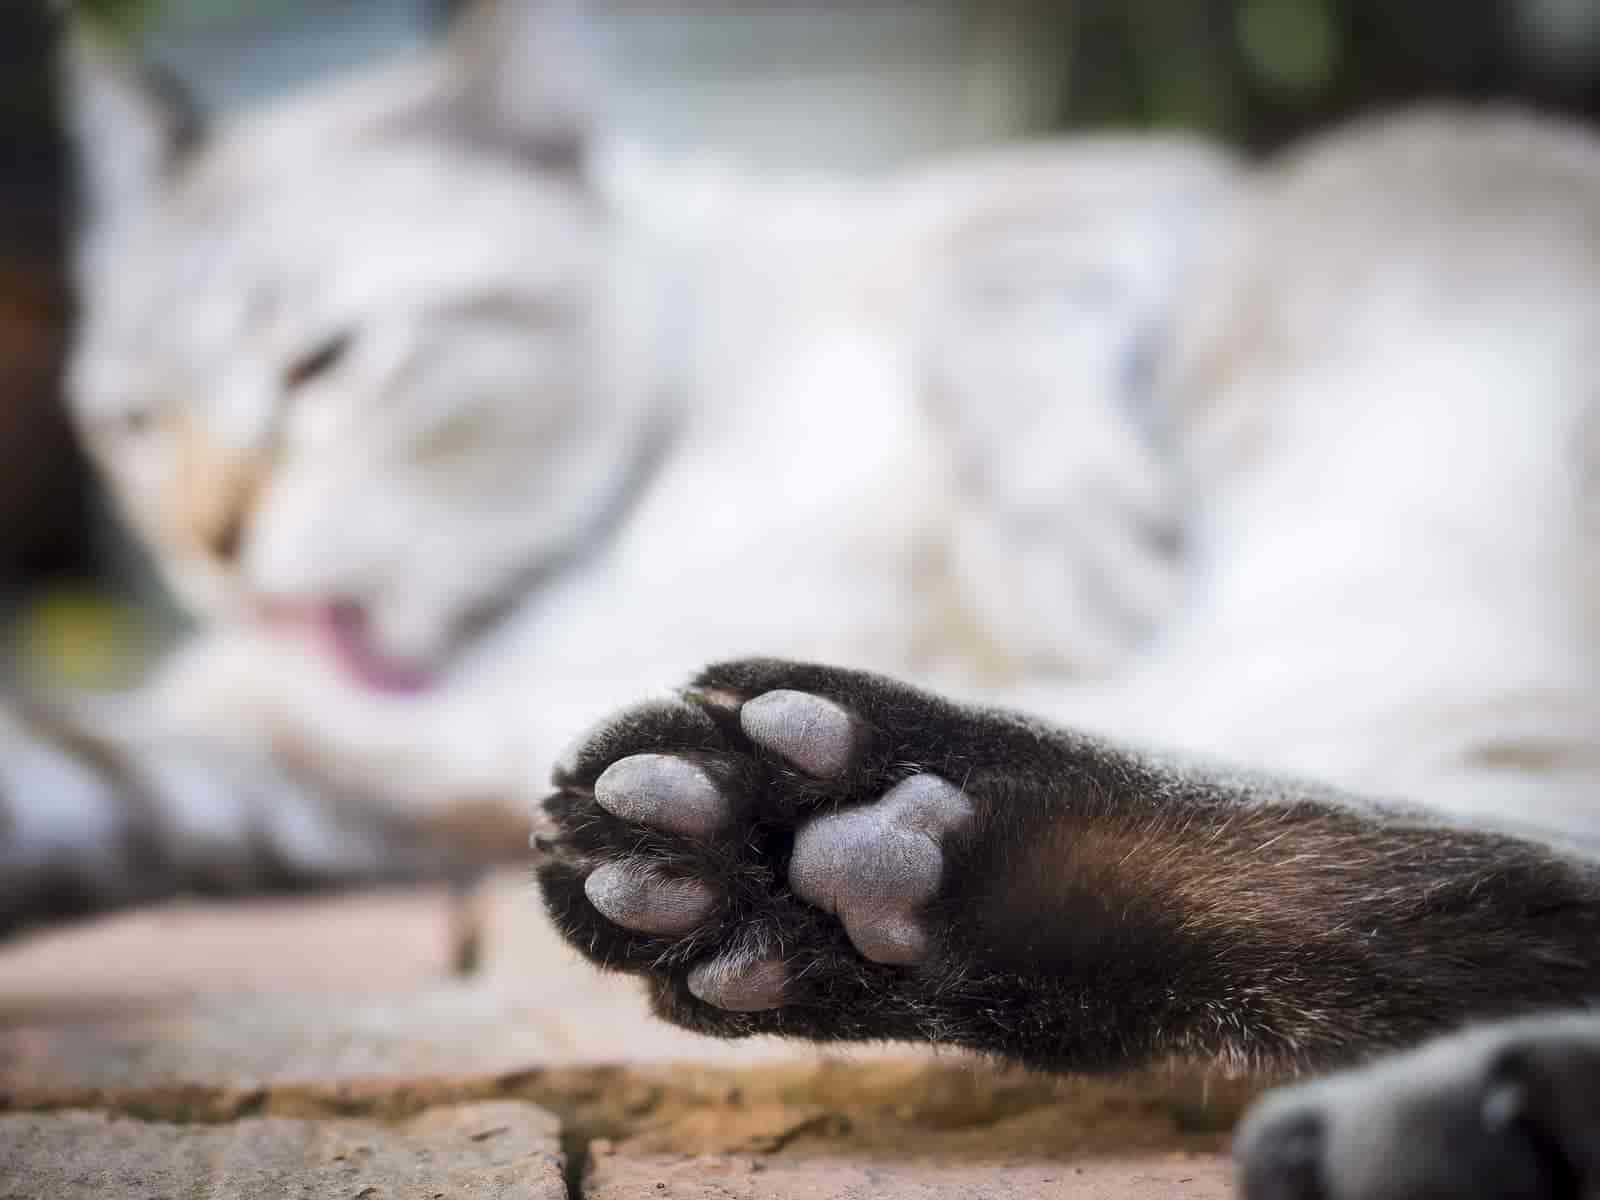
<point x="76" y="604"/>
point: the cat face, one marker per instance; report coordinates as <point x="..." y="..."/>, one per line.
<point x="333" y="361"/>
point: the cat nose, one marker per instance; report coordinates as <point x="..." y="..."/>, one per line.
<point x="217" y="500"/>
<point x="225" y="539"/>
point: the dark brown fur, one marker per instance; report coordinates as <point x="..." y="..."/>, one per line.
<point x="1105" y="908"/>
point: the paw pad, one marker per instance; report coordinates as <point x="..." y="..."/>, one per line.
<point x="635" y="896"/>
<point x="813" y="733"/>
<point x="663" y="791"/>
<point x="752" y="847"/>
<point x="875" y="866"/>
<point x="737" y="984"/>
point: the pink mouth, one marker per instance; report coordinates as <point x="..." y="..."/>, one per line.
<point x="343" y="626"/>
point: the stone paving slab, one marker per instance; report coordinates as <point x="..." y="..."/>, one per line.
<point x="236" y="1033"/>
<point x="1191" y="1177"/>
<point x="149" y="958"/>
<point x="330" y="989"/>
<point x="956" y="1108"/>
<point x="906" y="1130"/>
<point x="493" y="1151"/>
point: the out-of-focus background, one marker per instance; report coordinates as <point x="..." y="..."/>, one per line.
<point x="832" y="83"/>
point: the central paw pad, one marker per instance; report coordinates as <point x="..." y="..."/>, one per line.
<point x="874" y="867"/>
<point x="748" y="849"/>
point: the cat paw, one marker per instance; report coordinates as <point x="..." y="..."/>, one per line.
<point x="801" y="850"/>
<point x="1506" y="1111"/>
<point x="772" y="849"/>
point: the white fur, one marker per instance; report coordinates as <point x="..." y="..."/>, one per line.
<point x="778" y="328"/>
<point x="1386" y="391"/>
<point x="898" y="436"/>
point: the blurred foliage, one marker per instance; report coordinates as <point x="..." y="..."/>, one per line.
<point x="128" y="20"/>
<point x="77" y="636"/>
<point x="1292" y="46"/>
<point x="123" y="19"/>
<point x="1261" y="72"/>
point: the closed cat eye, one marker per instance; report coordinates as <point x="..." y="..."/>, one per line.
<point x="135" y="420"/>
<point x="323" y="358"/>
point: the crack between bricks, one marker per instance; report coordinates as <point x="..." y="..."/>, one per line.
<point x="884" y="1109"/>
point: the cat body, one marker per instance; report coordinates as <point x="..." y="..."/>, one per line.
<point x="434" y="407"/>
<point x="1381" y="418"/>
<point x="1385" y="432"/>
<point x="459" y="426"/>
<point x="776" y="484"/>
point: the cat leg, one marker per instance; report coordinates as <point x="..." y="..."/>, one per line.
<point x="92" y="820"/>
<point x="792" y="849"/>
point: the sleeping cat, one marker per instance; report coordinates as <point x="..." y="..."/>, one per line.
<point x="1383" y="417"/>
<point x="461" y="427"/>
<point x="455" y="423"/>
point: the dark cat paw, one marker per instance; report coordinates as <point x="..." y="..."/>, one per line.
<point x="771" y="849"/>
<point x="821" y="853"/>
<point x="1499" y="1113"/>
<point x="802" y="850"/>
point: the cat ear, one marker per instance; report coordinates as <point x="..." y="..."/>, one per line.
<point x="130" y="126"/>
<point x="521" y="80"/>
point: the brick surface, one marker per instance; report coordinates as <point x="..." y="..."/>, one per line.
<point x="325" y="989"/>
<point x="947" y="1107"/>
<point x="151" y="958"/>
<point x="493" y="1151"/>
<point x="262" y="1041"/>
<point x="1189" y="1177"/>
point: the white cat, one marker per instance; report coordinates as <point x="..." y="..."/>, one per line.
<point x="1383" y="413"/>
<point x="456" y="423"/>
<point x="1387" y="426"/>
<point x="459" y="424"/>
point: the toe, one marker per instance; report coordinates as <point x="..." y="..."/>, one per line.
<point x="897" y="940"/>
<point x="1283" y="1159"/>
<point x="637" y="897"/>
<point x="663" y="791"/>
<point x="1547" y="1090"/>
<point x="739" y="984"/>
<point x="812" y="733"/>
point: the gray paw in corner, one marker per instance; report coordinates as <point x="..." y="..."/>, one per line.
<point x="1503" y="1112"/>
